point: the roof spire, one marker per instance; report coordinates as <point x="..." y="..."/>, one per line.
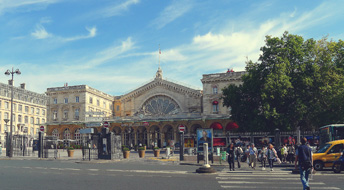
<point x="158" y="74"/>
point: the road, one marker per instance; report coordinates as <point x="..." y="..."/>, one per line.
<point x="57" y="175"/>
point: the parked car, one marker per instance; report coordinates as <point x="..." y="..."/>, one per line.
<point x="338" y="165"/>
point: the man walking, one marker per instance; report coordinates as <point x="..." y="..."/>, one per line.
<point x="305" y="159"/>
<point x="238" y="152"/>
<point x="253" y="156"/>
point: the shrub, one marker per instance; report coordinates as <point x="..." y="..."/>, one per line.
<point x="142" y="148"/>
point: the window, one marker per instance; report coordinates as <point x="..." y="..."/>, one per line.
<point x="214" y="89"/>
<point x="31" y="130"/>
<point x="76" y="98"/>
<point x="77" y="136"/>
<point x="215" y="108"/>
<point x="43" y="112"/>
<point x="26" y="109"/>
<point x="98" y="103"/>
<point x="14" y="107"/>
<point x="37" y="111"/>
<point x="37" y="120"/>
<point x="55" y="115"/>
<point x="43" y="121"/>
<point x="0" y="116"/>
<point x="117" y="108"/>
<point x="65" y="114"/>
<point x="26" y="119"/>
<point x="55" y="100"/>
<point x="20" y="108"/>
<point x="6" y="116"/>
<point x="7" y="105"/>
<point x="19" y="118"/>
<point x="104" y="105"/>
<point x="338" y="148"/>
<point x="32" y="110"/>
<point x="77" y="114"/>
<point x="31" y="120"/>
<point x="0" y="104"/>
<point x="91" y="100"/>
<point x="66" y="100"/>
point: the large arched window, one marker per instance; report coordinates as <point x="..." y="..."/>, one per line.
<point x="160" y="105"/>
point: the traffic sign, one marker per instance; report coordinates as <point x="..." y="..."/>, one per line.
<point x="41" y="128"/>
<point x="181" y="128"/>
<point x="106" y="124"/>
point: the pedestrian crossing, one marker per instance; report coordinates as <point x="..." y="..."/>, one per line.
<point x="265" y="180"/>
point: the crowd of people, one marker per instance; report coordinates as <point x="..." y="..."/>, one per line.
<point x="267" y="155"/>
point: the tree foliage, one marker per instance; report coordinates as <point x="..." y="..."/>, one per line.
<point x="295" y="82"/>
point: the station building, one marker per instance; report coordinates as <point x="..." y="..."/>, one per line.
<point x="150" y="114"/>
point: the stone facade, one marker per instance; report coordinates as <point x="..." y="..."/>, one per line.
<point x="29" y="111"/>
<point x="152" y="113"/>
<point x="212" y="91"/>
<point x="76" y="103"/>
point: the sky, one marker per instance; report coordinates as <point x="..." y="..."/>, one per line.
<point x="113" y="45"/>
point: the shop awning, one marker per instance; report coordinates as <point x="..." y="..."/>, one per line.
<point x="231" y="126"/>
<point x="216" y="126"/>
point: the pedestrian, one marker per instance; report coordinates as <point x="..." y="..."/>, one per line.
<point x="263" y="157"/>
<point x="230" y="152"/>
<point x="238" y="153"/>
<point x="247" y="153"/>
<point x="253" y="156"/>
<point x="271" y="156"/>
<point x="284" y="153"/>
<point x="0" y="148"/>
<point x="291" y="153"/>
<point x="305" y="160"/>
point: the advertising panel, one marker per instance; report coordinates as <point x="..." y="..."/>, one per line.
<point x="219" y="142"/>
<point x="189" y="143"/>
<point x="204" y="136"/>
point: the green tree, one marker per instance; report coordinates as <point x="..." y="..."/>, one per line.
<point x="295" y="82"/>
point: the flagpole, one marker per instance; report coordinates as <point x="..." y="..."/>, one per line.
<point x="159" y="55"/>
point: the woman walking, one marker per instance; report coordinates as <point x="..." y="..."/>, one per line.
<point x="271" y="155"/>
<point x="230" y="152"/>
<point x="263" y="157"/>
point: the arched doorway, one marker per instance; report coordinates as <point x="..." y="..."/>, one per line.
<point x="116" y="130"/>
<point x="66" y="134"/>
<point x="141" y="135"/>
<point x="77" y="137"/>
<point x="129" y="137"/>
<point x="168" y="135"/>
<point x="217" y="128"/>
<point x="194" y="128"/>
<point x="56" y="133"/>
<point x="154" y="136"/>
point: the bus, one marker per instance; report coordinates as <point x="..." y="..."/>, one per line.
<point x="330" y="133"/>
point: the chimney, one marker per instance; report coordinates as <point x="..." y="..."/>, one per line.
<point x="10" y="82"/>
<point x="22" y="86"/>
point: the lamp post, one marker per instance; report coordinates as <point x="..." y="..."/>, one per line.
<point x="9" y="153"/>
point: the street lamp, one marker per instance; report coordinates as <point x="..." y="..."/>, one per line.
<point x="9" y="151"/>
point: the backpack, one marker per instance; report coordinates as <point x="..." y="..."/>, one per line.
<point x="282" y="150"/>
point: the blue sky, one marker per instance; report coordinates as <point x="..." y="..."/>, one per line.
<point x="112" y="45"/>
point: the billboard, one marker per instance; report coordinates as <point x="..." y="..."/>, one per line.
<point x="189" y="143"/>
<point x="204" y="136"/>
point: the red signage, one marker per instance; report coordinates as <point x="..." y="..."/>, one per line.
<point x="181" y="128"/>
<point x="145" y="123"/>
<point x="106" y="124"/>
<point x="219" y="142"/>
<point x="41" y="128"/>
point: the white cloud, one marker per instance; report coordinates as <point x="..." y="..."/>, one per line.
<point x="10" y="5"/>
<point x="92" y="33"/>
<point x="40" y="32"/>
<point x="172" y="12"/>
<point x="117" y="9"/>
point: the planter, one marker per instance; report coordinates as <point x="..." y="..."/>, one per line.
<point x="156" y="152"/>
<point x="145" y="147"/>
<point x="126" y="154"/>
<point x="70" y="153"/>
<point x="142" y="153"/>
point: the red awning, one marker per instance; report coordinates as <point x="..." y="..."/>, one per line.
<point x="231" y="126"/>
<point x="216" y="126"/>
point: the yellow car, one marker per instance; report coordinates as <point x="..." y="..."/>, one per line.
<point x="327" y="154"/>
